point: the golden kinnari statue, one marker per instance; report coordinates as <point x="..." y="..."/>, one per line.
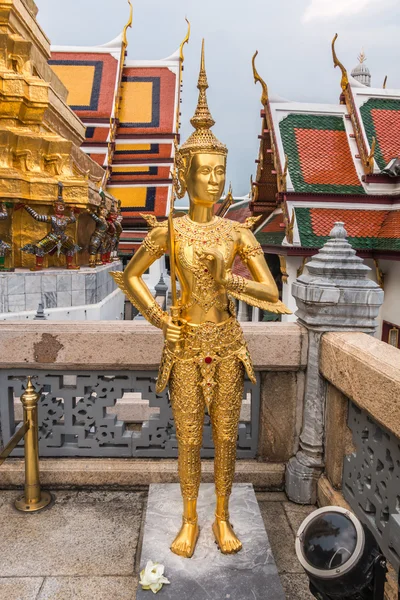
<point x="205" y="354"/>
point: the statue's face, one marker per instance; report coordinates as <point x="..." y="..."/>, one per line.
<point x="205" y="180"/>
<point x="59" y="208"/>
<point x="103" y="212"/>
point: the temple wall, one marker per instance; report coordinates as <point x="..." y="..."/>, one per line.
<point x="390" y="310"/>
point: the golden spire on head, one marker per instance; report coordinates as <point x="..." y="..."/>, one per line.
<point x="202" y="139"/>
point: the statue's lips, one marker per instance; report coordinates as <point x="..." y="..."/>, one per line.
<point x="213" y="191"/>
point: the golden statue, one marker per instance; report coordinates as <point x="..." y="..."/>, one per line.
<point x="97" y="237"/>
<point x="56" y="240"/>
<point x="4" y="248"/>
<point x="205" y="354"/>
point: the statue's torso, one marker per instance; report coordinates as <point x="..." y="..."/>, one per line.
<point x="59" y="225"/>
<point x="202" y="299"/>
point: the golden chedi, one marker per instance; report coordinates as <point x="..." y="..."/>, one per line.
<point x="205" y="355"/>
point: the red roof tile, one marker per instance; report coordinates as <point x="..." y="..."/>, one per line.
<point x="325" y="157"/>
<point x="387" y="127"/>
<point x="358" y="223"/>
<point x="239" y="214"/>
<point x="275" y="224"/>
<point x="391" y="225"/>
<point x="240" y="269"/>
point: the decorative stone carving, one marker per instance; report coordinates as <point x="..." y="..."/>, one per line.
<point x="335" y="295"/>
<point x="73" y="417"/>
<point x="372" y="481"/>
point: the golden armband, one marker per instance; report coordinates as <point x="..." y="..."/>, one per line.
<point x="152" y="248"/>
<point x="236" y="287"/>
<point x="247" y="252"/>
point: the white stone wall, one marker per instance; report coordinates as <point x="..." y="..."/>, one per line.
<point x="109" y="309"/>
<point x="390" y="310"/>
<point x="22" y="290"/>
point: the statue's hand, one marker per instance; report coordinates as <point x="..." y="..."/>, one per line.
<point x="214" y="261"/>
<point x="172" y="332"/>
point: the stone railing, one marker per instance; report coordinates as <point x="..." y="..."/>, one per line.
<point x="362" y="435"/>
<point x="89" y="372"/>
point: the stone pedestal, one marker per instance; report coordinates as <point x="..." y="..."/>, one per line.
<point x="22" y="290"/>
<point x="209" y="574"/>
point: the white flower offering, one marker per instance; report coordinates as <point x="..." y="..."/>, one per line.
<point x="152" y="577"/>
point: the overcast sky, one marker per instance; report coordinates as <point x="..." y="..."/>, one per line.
<point x="293" y="38"/>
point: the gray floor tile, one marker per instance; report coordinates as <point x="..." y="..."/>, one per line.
<point x="88" y="588"/>
<point x="84" y="533"/>
<point x="296" y="587"/>
<point x="280" y="536"/>
<point x="296" y="513"/>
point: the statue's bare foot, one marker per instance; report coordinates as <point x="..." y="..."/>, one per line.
<point x="185" y="542"/>
<point x="227" y="541"/>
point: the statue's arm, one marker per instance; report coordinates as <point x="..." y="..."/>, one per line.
<point x="95" y="217"/>
<point x="262" y="291"/>
<point x="72" y="217"/>
<point x="36" y="216"/>
<point x="131" y="282"/>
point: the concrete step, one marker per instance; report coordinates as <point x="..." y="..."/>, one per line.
<point x="125" y="473"/>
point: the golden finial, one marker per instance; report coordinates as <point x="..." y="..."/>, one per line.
<point x="202" y="117"/>
<point x="371" y="155"/>
<point x="282" y="179"/>
<point x="185" y="41"/>
<point x="361" y="57"/>
<point x="345" y="79"/>
<point x="129" y="24"/>
<point x="384" y="82"/>
<point x="202" y="139"/>
<point x="264" y="94"/>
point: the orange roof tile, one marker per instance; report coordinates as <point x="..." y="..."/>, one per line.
<point x="387" y="127"/>
<point x="325" y="157"/>
<point x="391" y="225"/>
<point x="358" y="223"/>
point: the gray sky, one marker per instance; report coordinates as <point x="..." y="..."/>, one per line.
<point x="293" y="38"/>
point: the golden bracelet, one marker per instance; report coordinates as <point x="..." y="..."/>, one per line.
<point x="237" y="284"/>
<point x="155" y="315"/>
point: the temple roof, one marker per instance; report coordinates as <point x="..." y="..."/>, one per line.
<point x="131" y="112"/>
<point x="319" y="155"/>
<point x="321" y="163"/>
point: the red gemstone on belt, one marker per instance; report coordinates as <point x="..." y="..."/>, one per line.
<point x="208" y="360"/>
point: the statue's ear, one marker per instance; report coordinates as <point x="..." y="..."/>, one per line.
<point x="180" y="179"/>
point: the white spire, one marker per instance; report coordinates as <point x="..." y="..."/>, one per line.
<point x="361" y="72"/>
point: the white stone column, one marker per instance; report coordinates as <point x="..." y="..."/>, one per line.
<point x="335" y="295"/>
<point x="292" y="265"/>
<point x="243" y="314"/>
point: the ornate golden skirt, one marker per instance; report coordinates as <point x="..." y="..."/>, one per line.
<point x="206" y="345"/>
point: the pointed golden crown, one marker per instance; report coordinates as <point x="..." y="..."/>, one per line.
<point x="202" y="139"/>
